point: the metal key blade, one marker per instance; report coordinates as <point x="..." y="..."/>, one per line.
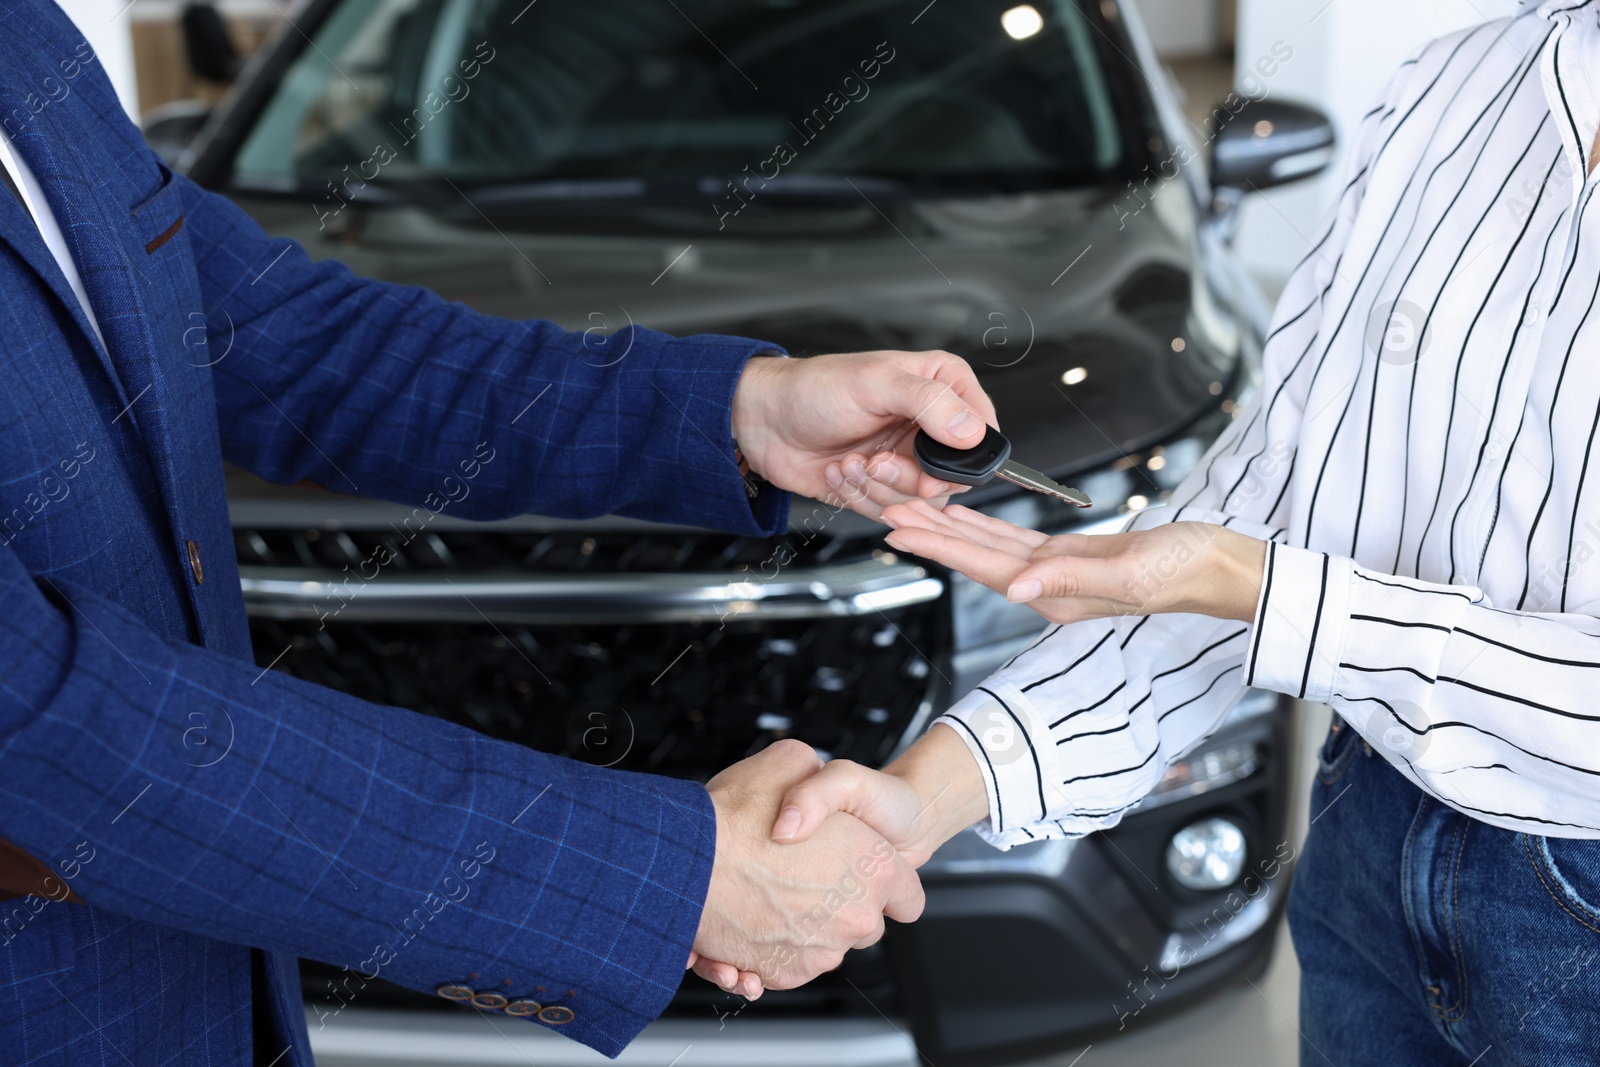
<point x="1028" y="478"/>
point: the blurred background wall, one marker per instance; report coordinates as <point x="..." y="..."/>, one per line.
<point x="162" y="72"/>
<point x="1344" y="54"/>
<point x="105" y="26"/>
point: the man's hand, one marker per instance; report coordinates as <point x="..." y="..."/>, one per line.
<point x="779" y="915"/>
<point x="844" y="424"/>
<point x="1189" y="567"/>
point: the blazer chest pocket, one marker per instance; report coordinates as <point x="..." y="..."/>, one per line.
<point x="156" y="247"/>
<point x="158" y="218"/>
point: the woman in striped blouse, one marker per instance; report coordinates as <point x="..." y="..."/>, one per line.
<point x="1405" y="524"/>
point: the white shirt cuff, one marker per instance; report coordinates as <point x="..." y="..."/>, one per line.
<point x="1301" y="623"/>
<point x="1002" y="729"/>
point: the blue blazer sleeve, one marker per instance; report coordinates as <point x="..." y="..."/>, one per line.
<point x="253" y="808"/>
<point x="383" y="390"/>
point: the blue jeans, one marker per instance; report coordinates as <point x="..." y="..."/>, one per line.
<point x="1426" y="937"/>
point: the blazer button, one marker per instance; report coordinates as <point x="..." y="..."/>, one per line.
<point x="556" y="1015"/>
<point x="489" y="1001"/>
<point x="194" y="564"/>
<point x="454" y="992"/>
<point x="523" y="1008"/>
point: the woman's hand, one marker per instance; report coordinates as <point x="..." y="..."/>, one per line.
<point x="726" y="977"/>
<point x="1191" y="567"/>
<point x="927" y="796"/>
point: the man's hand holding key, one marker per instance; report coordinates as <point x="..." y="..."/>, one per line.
<point x="843" y="425"/>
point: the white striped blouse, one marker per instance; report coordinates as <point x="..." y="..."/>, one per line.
<point x="1421" y="458"/>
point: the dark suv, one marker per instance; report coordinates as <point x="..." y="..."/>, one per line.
<point x="1005" y="181"/>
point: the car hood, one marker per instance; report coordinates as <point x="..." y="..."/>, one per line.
<point x="1085" y="314"/>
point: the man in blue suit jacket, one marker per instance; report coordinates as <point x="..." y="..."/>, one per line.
<point x="170" y="895"/>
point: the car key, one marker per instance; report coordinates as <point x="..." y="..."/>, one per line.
<point x="990" y="459"/>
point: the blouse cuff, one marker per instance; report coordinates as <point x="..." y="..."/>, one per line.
<point x="1002" y="730"/>
<point x="1301" y="623"/>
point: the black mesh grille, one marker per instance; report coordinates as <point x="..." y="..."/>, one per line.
<point x="682" y="699"/>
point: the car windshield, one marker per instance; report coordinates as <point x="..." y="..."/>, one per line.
<point x="615" y="97"/>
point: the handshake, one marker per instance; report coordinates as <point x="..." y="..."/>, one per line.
<point x="811" y="859"/>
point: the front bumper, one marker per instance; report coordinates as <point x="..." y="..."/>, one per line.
<point x="1058" y="943"/>
<point x="1018" y="954"/>
<point x="396" y="1038"/>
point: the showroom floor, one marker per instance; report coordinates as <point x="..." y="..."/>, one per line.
<point x="1246" y="1025"/>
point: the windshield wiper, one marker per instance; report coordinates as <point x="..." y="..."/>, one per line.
<point x="565" y="189"/>
<point x="809" y="186"/>
<point x="669" y="190"/>
<point x="637" y="190"/>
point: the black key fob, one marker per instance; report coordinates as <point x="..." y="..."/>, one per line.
<point x="963" y="466"/>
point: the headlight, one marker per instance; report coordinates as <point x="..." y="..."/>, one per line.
<point x="1206" y="856"/>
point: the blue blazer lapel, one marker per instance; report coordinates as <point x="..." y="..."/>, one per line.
<point x="17" y="229"/>
<point x="115" y="221"/>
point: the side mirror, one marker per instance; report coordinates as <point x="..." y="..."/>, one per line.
<point x="1263" y="144"/>
<point x="168" y="129"/>
<point x="1269" y="142"/>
